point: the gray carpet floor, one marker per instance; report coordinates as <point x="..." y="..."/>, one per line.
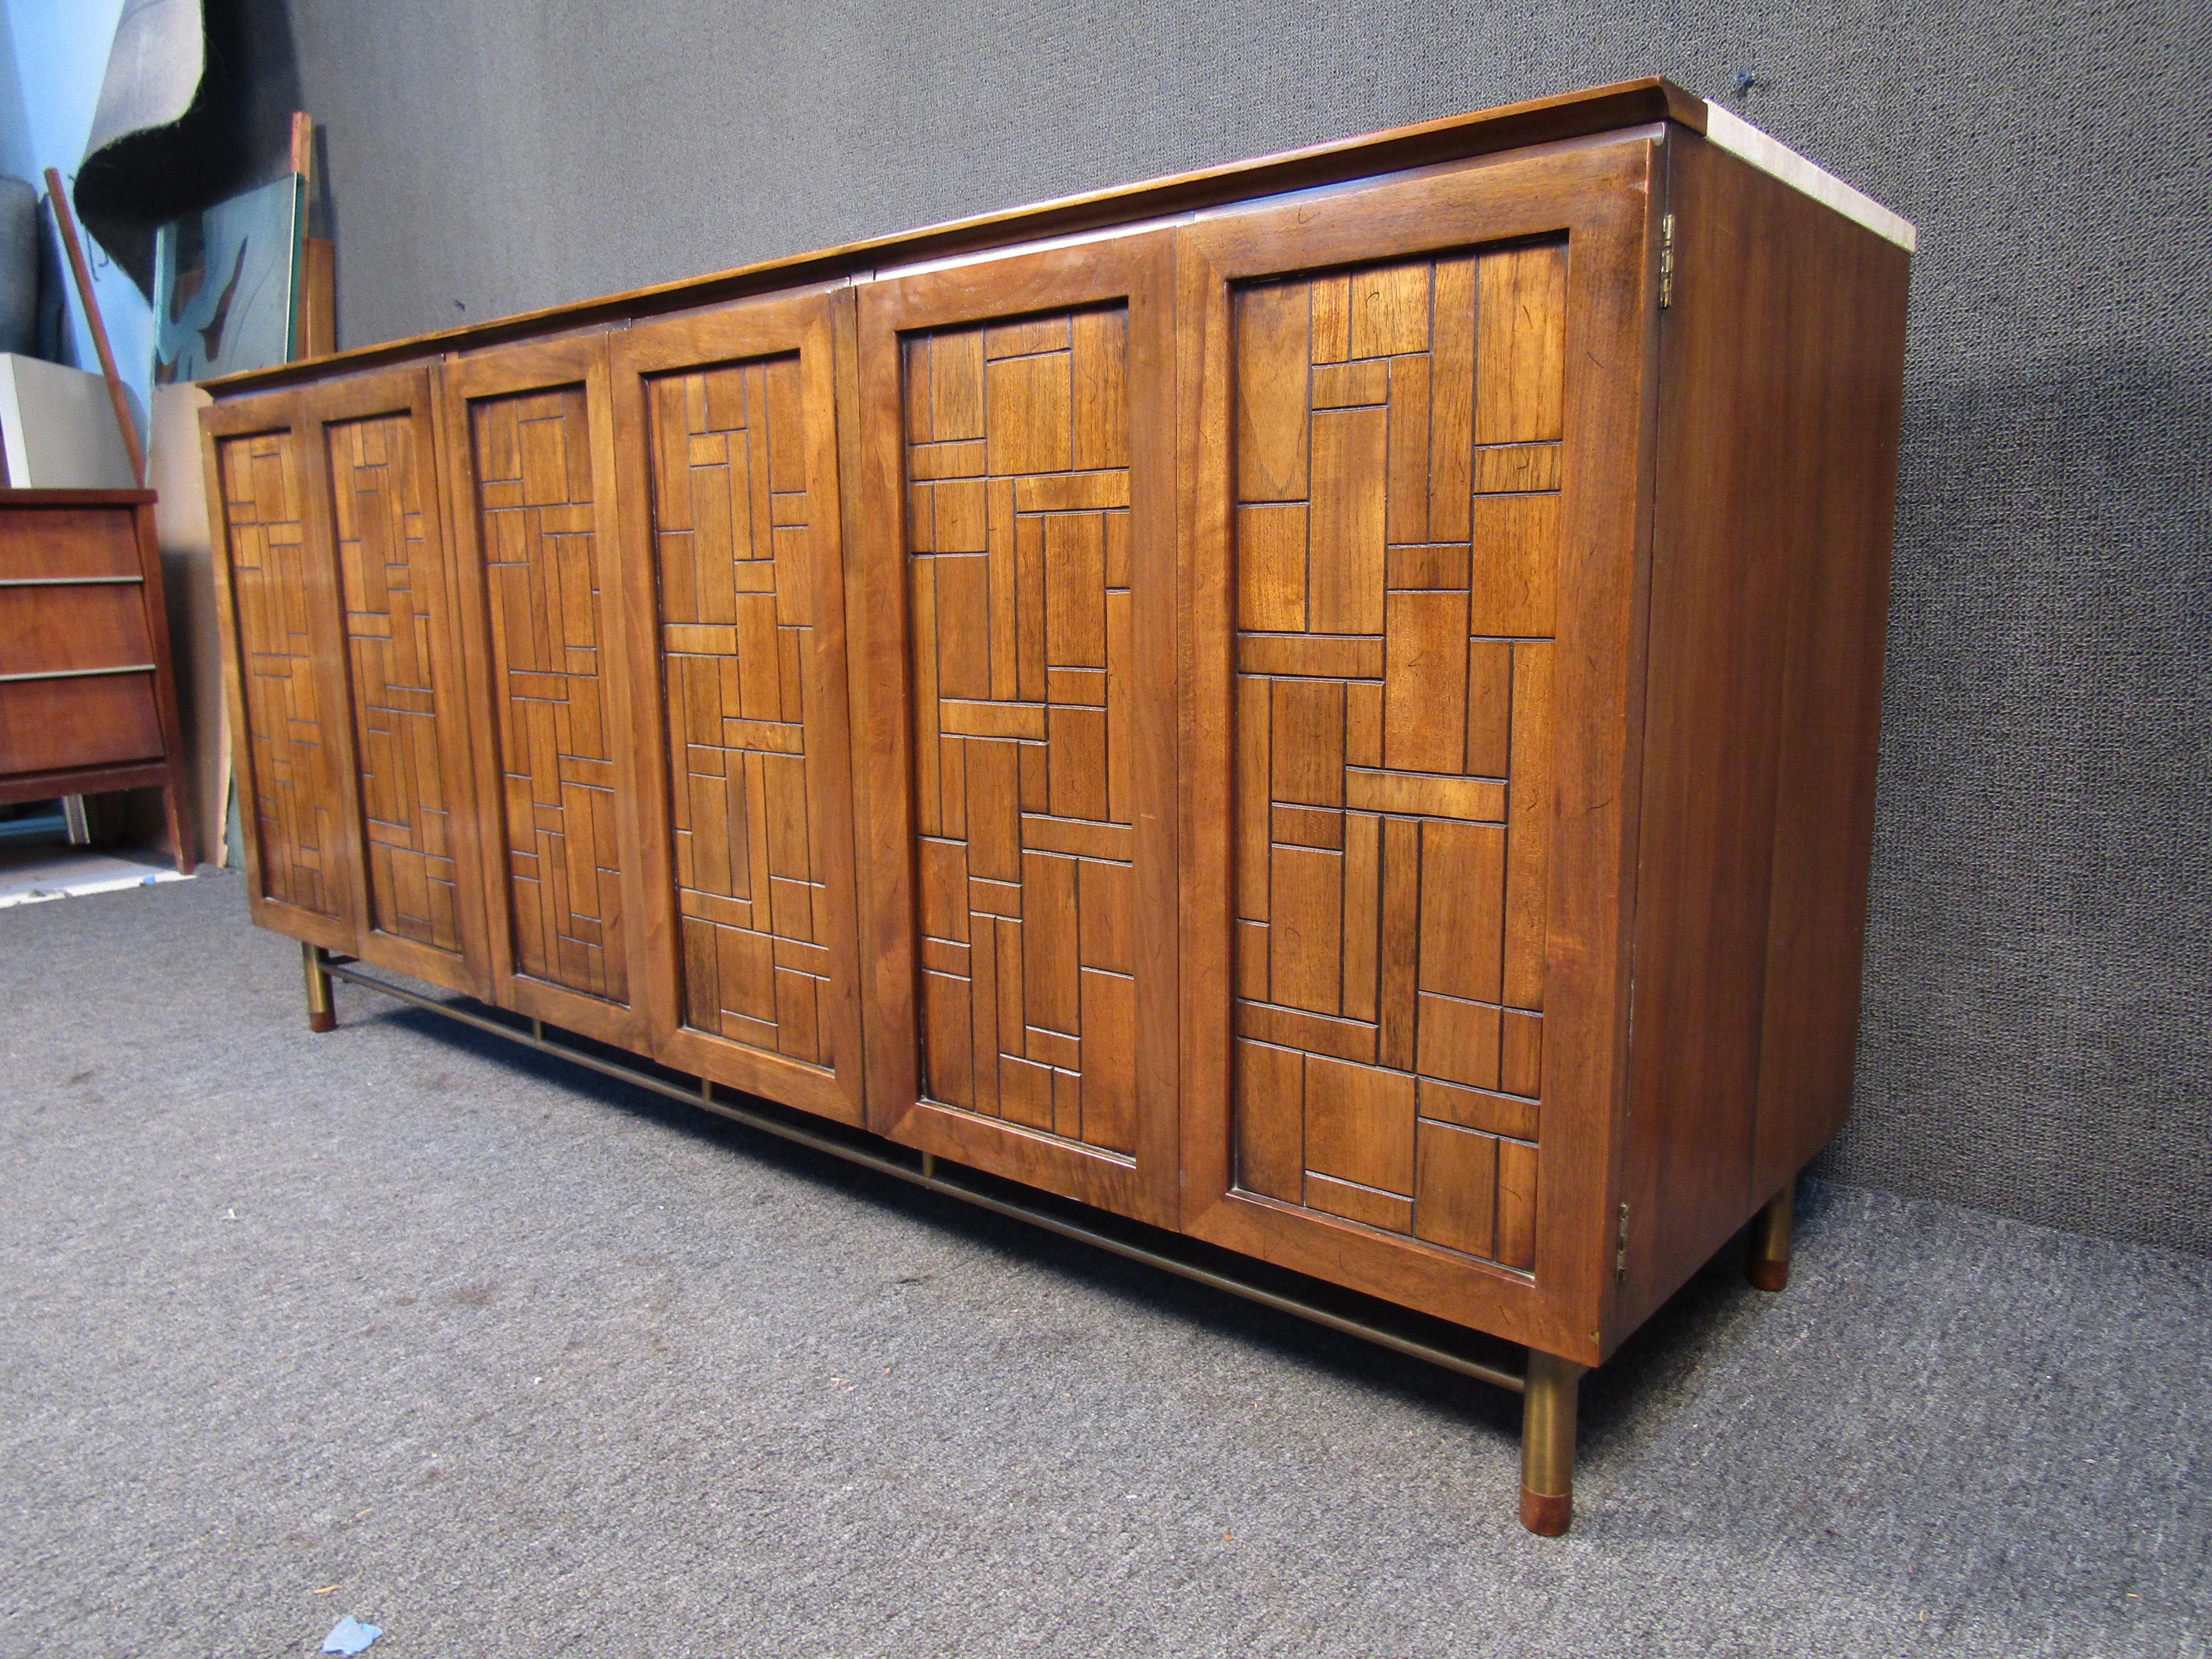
<point x="523" y="1362"/>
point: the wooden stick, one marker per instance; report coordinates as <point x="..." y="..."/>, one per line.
<point x="67" y="221"/>
<point x="303" y="143"/>
<point x="317" y="278"/>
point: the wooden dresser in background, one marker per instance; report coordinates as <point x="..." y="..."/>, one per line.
<point x="88" y="702"/>
<point x="1327" y="706"/>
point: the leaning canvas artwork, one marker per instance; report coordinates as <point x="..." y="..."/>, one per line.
<point x="226" y="285"/>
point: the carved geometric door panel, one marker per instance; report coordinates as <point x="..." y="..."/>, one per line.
<point x="1400" y="481"/>
<point x="533" y="465"/>
<point x="1396" y="540"/>
<point x="275" y="594"/>
<point x="733" y="551"/>
<point x="1018" y="419"/>
<point x="375" y="469"/>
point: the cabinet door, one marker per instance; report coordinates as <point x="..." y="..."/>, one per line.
<point x="726" y="438"/>
<point x="284" y="678"/>
<point x="1411" y="558"/>
<point x="372" y="465"/>
<point x="542" y="612"/>
<point x="1018" y="709"/>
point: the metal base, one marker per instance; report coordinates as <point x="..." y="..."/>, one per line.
<point x="321" y="1016"/>
<point x="1549" y="1384"/>
<point x="1548" y="1515"/>
<point x="1548" y="1444"/>
<point x="1768" y="1269"/>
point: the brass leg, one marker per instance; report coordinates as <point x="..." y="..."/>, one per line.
<point x="321" y="1017"/>
<point x="1548" y="1444"/>
<point x="1769" y="1267"/>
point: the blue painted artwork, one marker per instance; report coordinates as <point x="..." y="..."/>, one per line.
<point x="226" y="285"/>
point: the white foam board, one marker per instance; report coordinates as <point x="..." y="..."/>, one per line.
<point x="59" y="427"/>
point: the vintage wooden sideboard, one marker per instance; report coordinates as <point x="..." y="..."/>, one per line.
<point x="1327" y="706"/>
<point x="88" y="697"/>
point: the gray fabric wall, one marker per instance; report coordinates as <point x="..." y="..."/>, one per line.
<point x="2038" y="1037"/>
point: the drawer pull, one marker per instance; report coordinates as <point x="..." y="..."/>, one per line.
<point x="77" y="673"/>
<point x="70" y="581"/>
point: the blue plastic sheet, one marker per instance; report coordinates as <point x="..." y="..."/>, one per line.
<point x="350" y="1635"/>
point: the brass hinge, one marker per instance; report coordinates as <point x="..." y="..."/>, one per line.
<point x="1666" y="260"/>
<point x="1620" y="1247"/>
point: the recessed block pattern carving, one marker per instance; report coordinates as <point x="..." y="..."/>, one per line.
<point x="733" y="552"/>
<point x="1019" y="539"/>
<point x="295" y="796"/>
<point x="543" y="583"/>
<point x="394" y="597"/>
<point x="1398" y="433"/>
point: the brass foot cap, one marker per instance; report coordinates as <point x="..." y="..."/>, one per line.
<point x="1768" y="1275"/>
<point x="1545" y="1513"/>
<point x="322" y="1021"/>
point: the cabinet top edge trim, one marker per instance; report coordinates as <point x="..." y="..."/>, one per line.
<point x="1732" y="133"/>
<point x="1508" y="126"/>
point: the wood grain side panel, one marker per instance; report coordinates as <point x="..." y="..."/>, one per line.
<point x="183" y="840"/>
<point x="1831" y="711"/>
<point x="1781" y="368"/>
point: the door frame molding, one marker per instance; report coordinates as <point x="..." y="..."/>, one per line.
<point x="1135" y="268"/>
<point x="1598" y="195"/>
<point x="519" y="371"/>
<point x="784" y="325"/>
<point x="248" y="417"/>
<point x="411" y="392"/>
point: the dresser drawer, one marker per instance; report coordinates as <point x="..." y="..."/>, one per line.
<point x="68" y="541"/>
<point x="95" y="720"/>
<point x="48" y="629"/>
